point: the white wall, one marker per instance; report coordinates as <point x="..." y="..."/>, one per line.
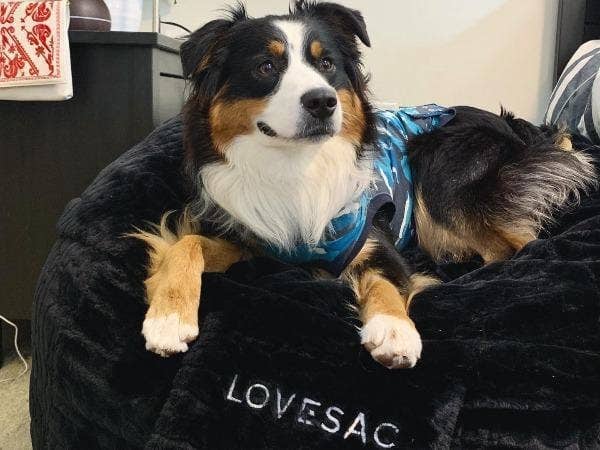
<point x="475" y="52"/>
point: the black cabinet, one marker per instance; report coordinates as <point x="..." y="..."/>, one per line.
<point x="124" y="85"/>
<point x="578" y="22"/>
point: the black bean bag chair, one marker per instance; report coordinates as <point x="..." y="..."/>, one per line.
<point x="511" y="353"/>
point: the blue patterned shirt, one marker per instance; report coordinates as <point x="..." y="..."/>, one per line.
<point x="348" y="231"/>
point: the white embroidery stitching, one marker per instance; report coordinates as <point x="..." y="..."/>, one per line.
<point x="281" y="411"/>
<point x="378" y="440"/>
<point x="312" y="413"/>
<point x="333" y="419"/>
<point x="352" y="429"/>
<point x="250" y="403"/>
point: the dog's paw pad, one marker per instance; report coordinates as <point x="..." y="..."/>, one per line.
<point x="393" y="342"/>
<point x="166" y="335"/>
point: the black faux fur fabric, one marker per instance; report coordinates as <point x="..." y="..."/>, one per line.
<point x="511" y="353"/>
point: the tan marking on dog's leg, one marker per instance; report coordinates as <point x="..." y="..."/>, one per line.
<point x="173" y="294"/>
<point x="500" y="245"/>
<point x="491" y="247"/>
<point x="219" y="254"/>
<point x="434" y="238"/>
<point x="418" y="283"/>
<point x="467" y="236"/>
<point x="377" y="295"/>
<point x="517" y="241"/>
<point x="173" y="285"/>
<point x="388" y="333"/>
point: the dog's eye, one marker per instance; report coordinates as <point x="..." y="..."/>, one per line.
<point x="266" y="68"/>
<point x="326" y="65"/>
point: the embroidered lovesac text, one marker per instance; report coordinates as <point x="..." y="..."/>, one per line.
<point x="287" y="405"/>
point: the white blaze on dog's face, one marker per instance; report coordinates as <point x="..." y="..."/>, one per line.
<point x="304" y="105"/>
<point x="278" y="118"/>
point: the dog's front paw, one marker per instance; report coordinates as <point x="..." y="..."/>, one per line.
<point x="168" y="334"/>
<point x="393" y="342"/>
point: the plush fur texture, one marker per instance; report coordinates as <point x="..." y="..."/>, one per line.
<point x="280" y="112"/>
<point x="510" y="358"/>
<point x="272" y="338"/>
<point x="487" y="184"/>
<point x="278" y="136"/>
<point x="282" y="196"/>
<point x="271" y="171"/>
<point x="266" y="168"/>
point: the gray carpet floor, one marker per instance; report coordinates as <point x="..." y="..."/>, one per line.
<point x="14" y="406"/>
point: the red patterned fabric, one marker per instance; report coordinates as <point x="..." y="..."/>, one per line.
<point x="30" y="42"/>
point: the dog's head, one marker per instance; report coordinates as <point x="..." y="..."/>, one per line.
<point x="282" y="81"/>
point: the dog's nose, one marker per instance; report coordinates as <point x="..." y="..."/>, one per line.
<point x="320" y="103"/>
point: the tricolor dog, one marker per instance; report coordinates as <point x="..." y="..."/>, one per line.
<point x="289" y="159"/>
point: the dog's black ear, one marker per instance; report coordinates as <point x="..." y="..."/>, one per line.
<point x="346" y="19"/>
<point x="197" y="51"/>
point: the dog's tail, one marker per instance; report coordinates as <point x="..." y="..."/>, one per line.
<point x="547" y="175"/>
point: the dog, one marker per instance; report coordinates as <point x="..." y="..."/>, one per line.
<point x="280" y="138"/>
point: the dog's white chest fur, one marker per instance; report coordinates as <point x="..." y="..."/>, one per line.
<point x="286" y="194"/>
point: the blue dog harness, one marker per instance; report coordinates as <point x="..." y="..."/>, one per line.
<point x="348" y="231"/>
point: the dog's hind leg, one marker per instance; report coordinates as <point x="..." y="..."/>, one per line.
<point x="482" y="189"/>
<point x="176" y="263"/>
<point x="384" y="286"/>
